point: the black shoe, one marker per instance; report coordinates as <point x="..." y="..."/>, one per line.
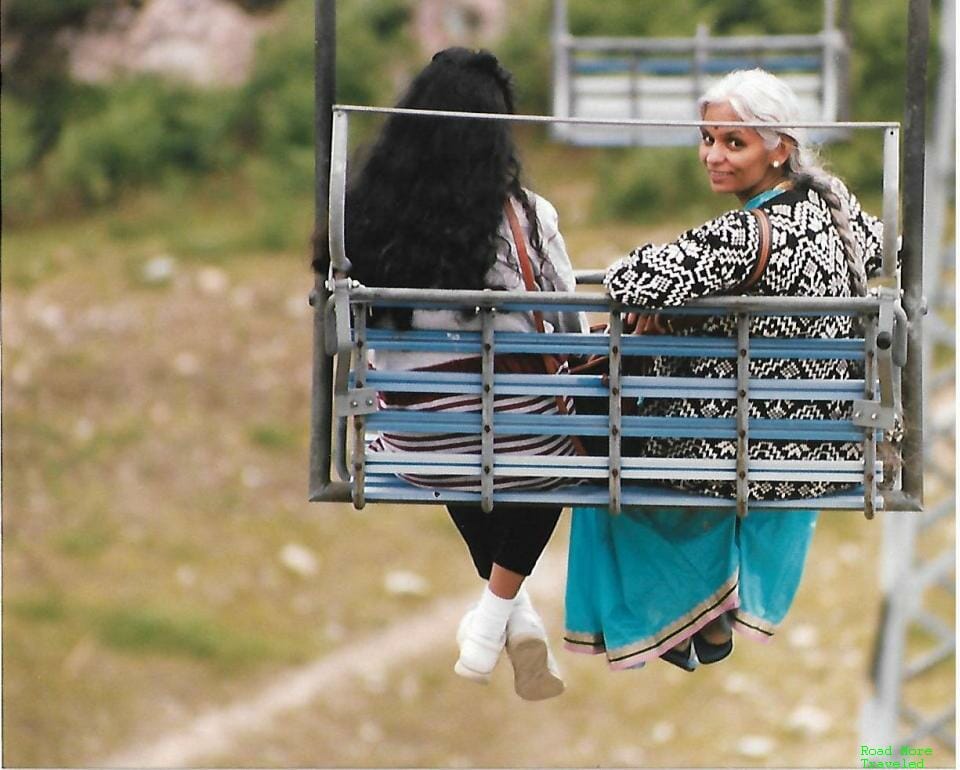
<point x="708" y="652"/>
<point x="685" y="659"/>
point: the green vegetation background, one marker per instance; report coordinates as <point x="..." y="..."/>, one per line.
<point x="68" y="148"/>
<point x="156" y="376"/>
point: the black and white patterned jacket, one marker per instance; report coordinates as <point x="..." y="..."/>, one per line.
<point x="806" y="259"/>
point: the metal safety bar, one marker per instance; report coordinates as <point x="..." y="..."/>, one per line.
<point x="614" y="409"/>
<point x="743" y="409"/>
<point x="339" y="145"/>
<point x="688" y="44"/>
<point x="487" y="399"/>
<point x="869" y="437"/>
<point x="510" y="118"/>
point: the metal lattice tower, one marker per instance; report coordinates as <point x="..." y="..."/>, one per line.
<point x="913" y="698"/>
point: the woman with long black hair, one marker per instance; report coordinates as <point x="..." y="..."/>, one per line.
<point x="438" y="203"/>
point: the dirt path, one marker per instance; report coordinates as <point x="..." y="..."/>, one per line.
<point x="213" y="732"/>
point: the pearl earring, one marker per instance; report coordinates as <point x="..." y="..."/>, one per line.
<point x="776" y="164"/>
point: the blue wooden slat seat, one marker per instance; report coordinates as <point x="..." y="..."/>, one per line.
<point x="633" y="386"/>
<point x="714" y="66"/>
<point x="468" y="343"/>
<point x="390" y="488"/>
<point x="588" y="476"/>
<point x="404" y="421"/>
<point x="635" y="468"/>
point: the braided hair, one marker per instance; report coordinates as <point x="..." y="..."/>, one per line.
<point x="425" y="207"/>
<point x="757" y="96"/>
<point x="806" y="173"/>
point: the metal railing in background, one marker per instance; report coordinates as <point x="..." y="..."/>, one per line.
<point x="662" y="78"/>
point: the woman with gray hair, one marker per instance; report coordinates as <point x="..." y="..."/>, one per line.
<point x="675" y="582"/>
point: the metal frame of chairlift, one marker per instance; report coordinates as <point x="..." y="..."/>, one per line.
<point x="647" y="77"/>
<point x="888" y="704"/>
<point x="332" y="332"/>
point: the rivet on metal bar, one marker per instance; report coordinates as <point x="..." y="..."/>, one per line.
<point x="361" y="367"/>
<point x="614" y="410"/>
<point x="362" y="401"/>
<point x="743" y="411"/>
<point x="487" y="401"/>
<point x="869" y="435"/>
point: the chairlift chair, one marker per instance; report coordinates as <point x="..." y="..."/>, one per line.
<point x="894" y="322"/>
<point x="342" y="430"/>
<point x="661" y="78"/>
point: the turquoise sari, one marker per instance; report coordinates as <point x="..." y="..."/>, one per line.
<point x="646" y="580"/>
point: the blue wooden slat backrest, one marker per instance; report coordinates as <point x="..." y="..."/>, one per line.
<point x="383" y="474"/>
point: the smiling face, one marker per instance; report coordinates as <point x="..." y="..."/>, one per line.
<point x="736" y="159"/>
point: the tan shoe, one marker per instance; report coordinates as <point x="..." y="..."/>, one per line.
<point x="536" y="675"/>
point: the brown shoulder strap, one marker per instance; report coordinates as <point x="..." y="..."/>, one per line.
<point x="763" y="221"/>
<point x="552" y="364"/>
<point x="526" y="269"/>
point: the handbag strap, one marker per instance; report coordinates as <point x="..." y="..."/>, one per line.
<point x="763" y="222"/>
<point x="530" y="284"/>
<point x="656" y="325"/>
<point x="526" y="269"/>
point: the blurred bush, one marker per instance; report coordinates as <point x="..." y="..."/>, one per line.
<point x="68" y="146"/>
<point x="646" y="185"/>
<point x="16" y="149"/>
<point x="525" y="51"/>
<point x="278" y="99"/>
<point x="32" y="16"/>
<point x="144" y="130"/>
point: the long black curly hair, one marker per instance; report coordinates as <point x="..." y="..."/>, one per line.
<point x="424" y="208"/>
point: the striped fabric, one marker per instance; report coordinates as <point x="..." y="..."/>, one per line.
<point x="552" y="272"/>
<point x="470" y="443"/>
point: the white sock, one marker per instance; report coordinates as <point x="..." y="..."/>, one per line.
<point x="523" y="598"/>
<point x="490" y="617"/>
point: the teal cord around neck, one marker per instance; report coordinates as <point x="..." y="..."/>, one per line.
<point x="760" y="198"/>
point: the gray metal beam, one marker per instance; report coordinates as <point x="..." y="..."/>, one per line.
<point x="321" y="404"/>
<point x="607" y="121"/>
<point x="914" y="139"/>
<point x="607" y="44"/>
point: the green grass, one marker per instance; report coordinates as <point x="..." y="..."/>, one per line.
<point x="85" y="541"/>
<point x="46" y="608"/>
<point x="150" y="631"/>
<point x="275" y="437"/>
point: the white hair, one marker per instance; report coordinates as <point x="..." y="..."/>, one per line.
<point x="756" y="96"/>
